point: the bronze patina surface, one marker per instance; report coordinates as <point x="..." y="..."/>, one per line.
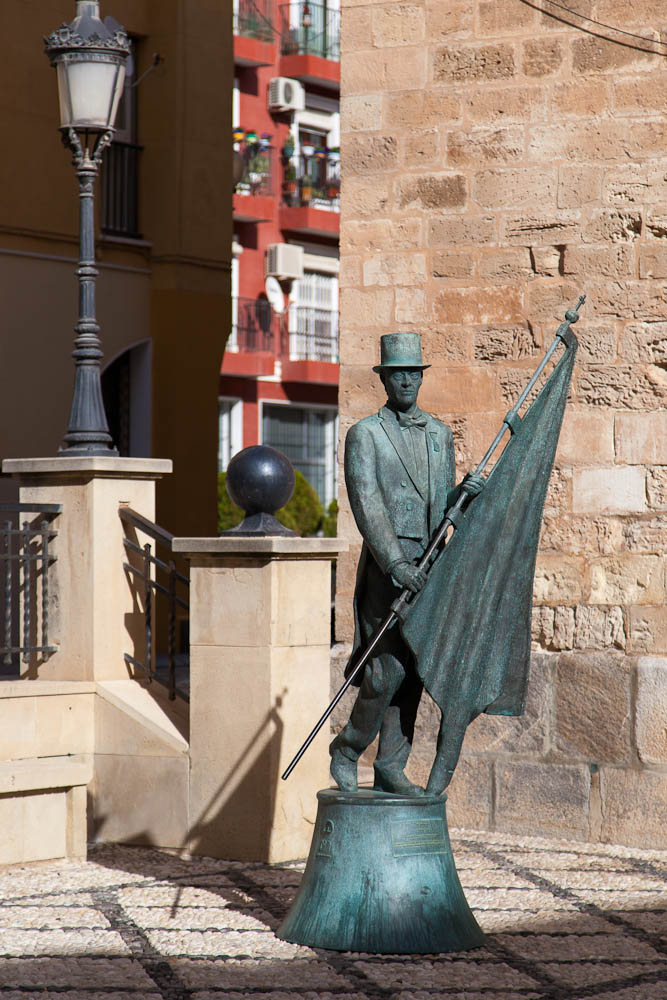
<point x="443" y="602"/>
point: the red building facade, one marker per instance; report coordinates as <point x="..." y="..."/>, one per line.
<point x="279" y="379"/>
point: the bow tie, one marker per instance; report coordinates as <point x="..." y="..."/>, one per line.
<point x="418" y="420"/>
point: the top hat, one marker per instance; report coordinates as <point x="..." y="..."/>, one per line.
<point x="400" y="350"/>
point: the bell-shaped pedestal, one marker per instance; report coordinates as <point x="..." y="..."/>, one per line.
<point x="381" y="878"/>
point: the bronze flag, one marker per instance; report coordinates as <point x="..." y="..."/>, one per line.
<point x="469" y="628"/>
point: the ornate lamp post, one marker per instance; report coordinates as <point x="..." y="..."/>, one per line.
<point x="90" y="59"/>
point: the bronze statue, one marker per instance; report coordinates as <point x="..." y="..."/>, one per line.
<point x="400" y="474"/>
<point x="442" y="603"/>
<point x="464" y="611"/>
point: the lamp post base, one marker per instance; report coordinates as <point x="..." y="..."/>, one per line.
<point x="381" y="878"/>
<point x="71" y="449"/>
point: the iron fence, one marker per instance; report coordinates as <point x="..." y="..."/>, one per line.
<point x="255" y="326"/>
<point x="120" y="190"/>
<point x="145" y="568"/>
<point x="313" y="180"/>
<point x="310" y="29"/>
<point x="254" y="19"/>
<point x="27" y="557"/>
<point x="313" y="334"/>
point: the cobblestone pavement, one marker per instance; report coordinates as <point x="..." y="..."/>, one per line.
<point x="565" y="920"/>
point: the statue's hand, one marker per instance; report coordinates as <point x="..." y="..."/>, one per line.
<point x="408" y="576"/>
<point x="473" y="484"/>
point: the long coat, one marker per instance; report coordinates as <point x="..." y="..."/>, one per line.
<point x="393" y="515"/>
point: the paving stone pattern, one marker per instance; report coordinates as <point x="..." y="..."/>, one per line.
<point x="565" y="921"/>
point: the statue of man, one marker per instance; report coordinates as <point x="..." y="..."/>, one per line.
<point x="400" y="474"/>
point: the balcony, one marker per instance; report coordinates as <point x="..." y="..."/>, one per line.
<point x="254" y="342"/>
<point x="310" y="44"/>
<point x="311" y="194"/>
<point x="120" y="190"/>
<point x="254" y="33"/>
<point x="253" y="193"/>
<point x="305" y="341"/>
<point x="311" y="353"/>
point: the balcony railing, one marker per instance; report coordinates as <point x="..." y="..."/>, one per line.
<point x="257" y="176"/>
<point x="310" y="29"/>
<point x="313" y="334"/>
<point x="255" y="327"/>
<point x="253" y="19"/>
<point x="310" y="334"/>
<point x="314" y="181"/>
<point x="120" y="190"/>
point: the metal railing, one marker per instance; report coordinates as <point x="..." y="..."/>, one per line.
<point x="144" y="569"/>
<point x="255" y="327"/>
<point x="313" y="180"/>
<point x="27" y="557"/>
<point x="310" y="29"/>
<point x="120" y="190"/>
<point x="257" y="176"/>
<point x="313" y="334"/>
<point x="253" y="19"/>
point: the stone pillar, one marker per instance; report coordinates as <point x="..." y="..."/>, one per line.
<point x="260" y="633"/>
<point x="95" y="615"/>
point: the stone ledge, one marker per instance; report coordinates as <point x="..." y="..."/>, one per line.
<point x="272" y="545"/>
<point x="44" y="689"/>
<point x="45" y="773"/>
<point x="93" y="465"/>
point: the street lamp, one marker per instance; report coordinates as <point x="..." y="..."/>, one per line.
<point x="89" y="57"/>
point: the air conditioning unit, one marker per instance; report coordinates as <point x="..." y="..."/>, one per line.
<point x="286" y="94"/>
<point x="284" y="261"/>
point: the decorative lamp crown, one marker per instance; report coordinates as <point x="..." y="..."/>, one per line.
<point x="400" y="350"/>
<point x="89" y="56"/>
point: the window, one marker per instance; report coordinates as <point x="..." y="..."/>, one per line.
<point x="120" y="165"/>
<point x="230" y="430"/>
<point x="307" y="435"/>
<point x="313" y="318"/>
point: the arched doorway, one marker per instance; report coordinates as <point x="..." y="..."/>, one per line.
<point x="126" y="389"/>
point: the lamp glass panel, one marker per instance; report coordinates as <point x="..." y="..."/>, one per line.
<point x="92" y="90"/>
<point x="63" y="95"/>
<point x="118" y="93"/>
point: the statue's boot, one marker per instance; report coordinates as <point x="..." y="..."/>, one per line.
<point x="439" y="778"/>
<point x="392" y="779"/>
<point x="343" y="771"/>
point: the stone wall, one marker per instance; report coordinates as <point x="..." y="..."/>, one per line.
<point x="498" y="162"/>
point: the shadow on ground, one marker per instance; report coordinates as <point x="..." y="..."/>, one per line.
<point x="140" y="923"/>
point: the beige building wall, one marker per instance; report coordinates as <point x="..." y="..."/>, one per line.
<point x="498" y="162"/>
<point x="171" y="288"/>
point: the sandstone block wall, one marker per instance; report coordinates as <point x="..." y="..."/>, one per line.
<point x="496" y="163"/>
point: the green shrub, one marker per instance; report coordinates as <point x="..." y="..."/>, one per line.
<point x="304" y="512"/>
<point x="330" y="520"/>
<point x="229" y="515"/>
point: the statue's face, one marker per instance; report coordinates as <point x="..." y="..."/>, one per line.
<point x="402" y="386"/>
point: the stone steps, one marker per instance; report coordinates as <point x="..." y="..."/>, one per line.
<point x="43" y="808"/>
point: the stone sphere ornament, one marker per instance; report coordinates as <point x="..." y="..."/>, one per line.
<point x="260" y="480"/>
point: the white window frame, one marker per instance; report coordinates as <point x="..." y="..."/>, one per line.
<point x="331" y="441"/>
<point x="294" y="302"/>
<point x="230" y="439"/>
<point x="232" y="341"/>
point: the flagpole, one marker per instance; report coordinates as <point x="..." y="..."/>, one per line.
<point x="511" y="422"/>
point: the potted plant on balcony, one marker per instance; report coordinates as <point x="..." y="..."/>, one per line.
<point x="290" y="184"/>
<point x="306" y="189"/>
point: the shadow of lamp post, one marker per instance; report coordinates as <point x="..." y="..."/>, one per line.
<point x="89" y="56"/>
